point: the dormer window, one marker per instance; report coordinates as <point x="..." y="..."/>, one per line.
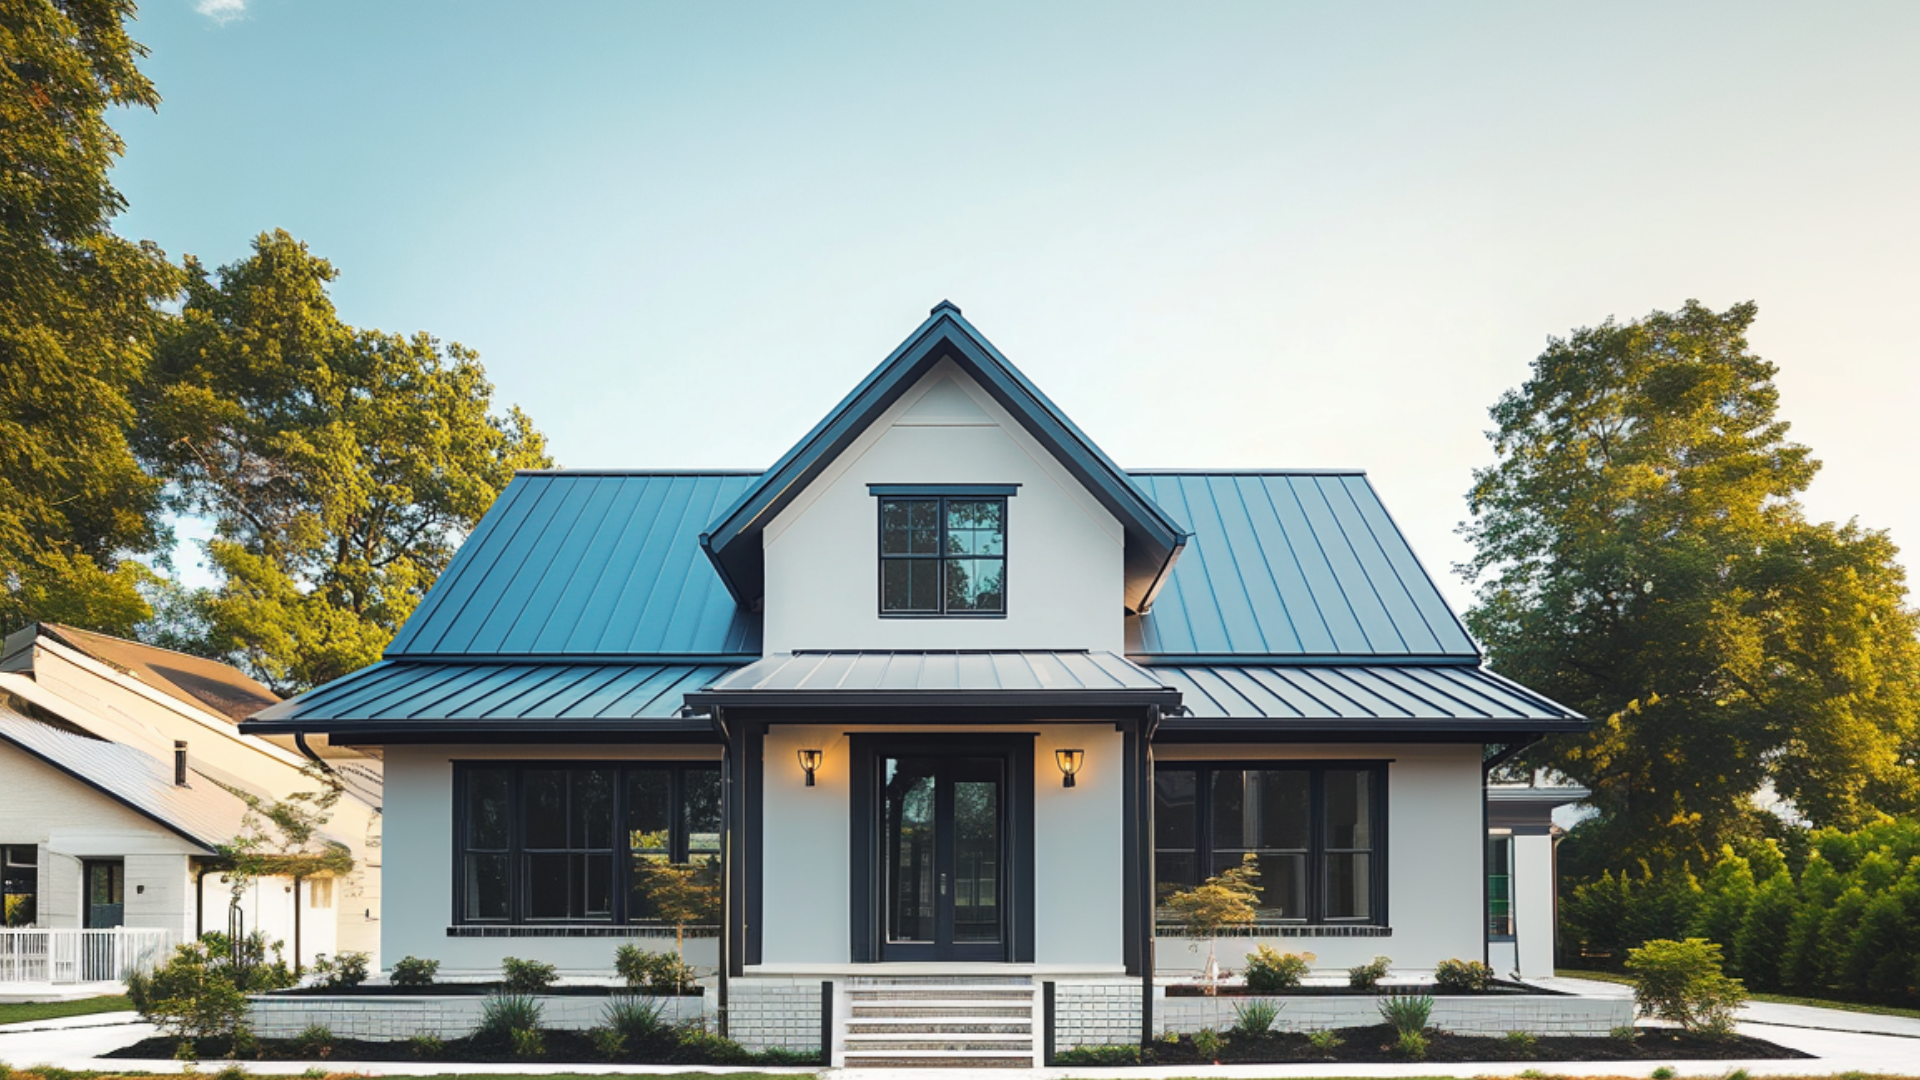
<point x="943" y="550"/>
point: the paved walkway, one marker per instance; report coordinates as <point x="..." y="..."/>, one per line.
<point x="1841" y="1042"/>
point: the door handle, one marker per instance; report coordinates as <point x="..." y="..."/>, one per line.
<point x="943" y="884"/>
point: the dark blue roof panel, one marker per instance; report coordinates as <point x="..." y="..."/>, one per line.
<point x="1291" y="564"/>
<point x="588" y="564"/>
<point x="428" y="693"/>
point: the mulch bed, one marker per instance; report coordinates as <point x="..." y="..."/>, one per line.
<point x="469" y="989"/>
<point x="561" y="1047"/>
<point x="1378" y="1044"/>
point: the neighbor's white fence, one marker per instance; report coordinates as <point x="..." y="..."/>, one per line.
<point x="71" y="956"/>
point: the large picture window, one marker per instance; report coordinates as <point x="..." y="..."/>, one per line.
<point x="943" y="556"/>
<point x="1316" y="833"/>
<point x="562" y="843"/>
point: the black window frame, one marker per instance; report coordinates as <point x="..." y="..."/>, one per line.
<point x="1495" y="930"/>
<point x="20" y="876"/>
<point x="940" y="496"/>
<point x="1317" y="835"/>
<point x="623" y="853"/>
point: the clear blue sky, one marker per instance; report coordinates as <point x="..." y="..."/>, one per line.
<point x="1216" y="234"/>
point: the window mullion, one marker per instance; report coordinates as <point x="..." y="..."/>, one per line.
<point x="1317" y="846"/>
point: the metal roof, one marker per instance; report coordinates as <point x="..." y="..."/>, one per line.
<point x="1298" y="564"/>
<point x="537" y="695"/>
<point x="1336" y="696"/>
<point x="1153" y="539"/>
<point x="203" y="812"/>
<point x="208" y="685"/>
<point x="591" y="564"/>
<point x="935" y="678"/>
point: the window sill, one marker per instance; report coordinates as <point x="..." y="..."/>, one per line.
<point x="1285" y="930"/>
<point x="576" y="931"/>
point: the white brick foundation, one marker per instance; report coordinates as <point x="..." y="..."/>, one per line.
<point x="774" y="1012"/>
<point x="1096" y="1014"/>
<point x="386" y="1019"/>
<point x="1491" y="1014"/>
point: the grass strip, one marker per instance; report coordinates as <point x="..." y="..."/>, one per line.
<point x="53" y="1010"/>
<point x="1770" y="999"/>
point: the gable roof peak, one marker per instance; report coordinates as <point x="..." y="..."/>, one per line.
<point x="944" y="305"/>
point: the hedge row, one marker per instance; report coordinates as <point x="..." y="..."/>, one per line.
<point x="1847" y="922"/>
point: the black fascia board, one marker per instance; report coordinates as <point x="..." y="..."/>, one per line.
<point x="1154" y="539"/>
<point x="936" y="715"/>
<point x="456" y="729"/>
<point x="934" y="699"/>
<point x="1175" y="729"/>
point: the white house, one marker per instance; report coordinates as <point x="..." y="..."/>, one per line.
<point x="120" y="771"/>
<point x="944" y="693"/>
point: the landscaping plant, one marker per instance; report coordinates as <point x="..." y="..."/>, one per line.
<point x="1368" y="975"/>
<point x="502" y="1014"/>
<point x="1413" y="1044"/>
<point x="527" y="976"/>
<point x="1469" y="975"/>
<point x="659" y="972"/>
<point x="345" y="970"/>
<point x="1229" y="898"/>
<point x="1522" y="1043"/>
<point x="1681" y="982"/>
<point x="426" y="1046"/>
<point x="1207" y="1042"/>
<point x="413" y="971"/>
<point x="1255" y="1017"/>
<point x="638" y="1023"/>
<point x="1325" y="1040"/>
<point x="197" y="994"/>
<point x="528" y="1043"/>
<point x="1407" y="1012"/>
<point x="697" y="1044"/>
<point x="315" y="1040"/>
<point x="1270" y="971"/>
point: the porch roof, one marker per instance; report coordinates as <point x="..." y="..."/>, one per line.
<point x="1069" y="678"/>
<point x="399" y="697"/>
<point x="1328" y="700"/>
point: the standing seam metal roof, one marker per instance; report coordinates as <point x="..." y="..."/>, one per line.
<point x="1292" y="564"/>
<point x="404" y="691"/>
<point x="991" y="671"/>
<point x="1357" y="692"/>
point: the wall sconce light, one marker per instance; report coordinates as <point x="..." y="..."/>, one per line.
<point x="1069" y="762"/>
<point x="809" y="760"/>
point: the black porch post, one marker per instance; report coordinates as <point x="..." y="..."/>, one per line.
<point x="1145" y="782"/>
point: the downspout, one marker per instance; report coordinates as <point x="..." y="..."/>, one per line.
<point x="200" y="900"/>
<point x="296" y="924"/>
<point x="1506" y="753"/>
<point x="1146" y="835"/>
<point x="300" y="740"/>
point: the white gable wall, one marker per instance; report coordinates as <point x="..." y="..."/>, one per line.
<point x="1064" y="550"/>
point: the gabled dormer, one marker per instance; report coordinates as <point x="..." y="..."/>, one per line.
<point x="944" y="504"/>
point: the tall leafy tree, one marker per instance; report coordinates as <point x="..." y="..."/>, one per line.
<point x="1640" y="555"/>
<point x="341" y="466"/>
<point x="76" y="317"/>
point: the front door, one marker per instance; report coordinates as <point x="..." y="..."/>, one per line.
<point x="106" y="893"/>
<point x="943" y="834"/>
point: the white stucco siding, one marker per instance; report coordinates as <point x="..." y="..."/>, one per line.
<point x="418" y="871"/>
<point x="1435" y="840"/>
<point x="1533" y="904"/>
<point x="1064" y="551"/>
<point x="808" y="845"/>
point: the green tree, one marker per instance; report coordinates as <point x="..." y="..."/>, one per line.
<point x="1639" y="555"/>
<point x="341" y="466"/>
<point x="77" y="314"/>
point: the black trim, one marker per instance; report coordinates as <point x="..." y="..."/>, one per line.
<point x="936" y="490"/>
<point x="1046" y="1023"/>
<point x="826" y="1022"/>
<point x="1317" y="852"/>
<point x="753" y="770"/>
<point x="934" y="706"/>
<point x="1130" y="870"/>
<point x="866" y="752"/>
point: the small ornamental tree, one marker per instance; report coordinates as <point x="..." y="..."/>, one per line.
<point x="683" y="895"/>
<point x="1229" y="898"/>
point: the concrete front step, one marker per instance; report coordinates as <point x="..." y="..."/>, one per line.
<point x="937" y="1060"/>
<point x="893" y="1025"/>
<point x="939" y="1023"/>
<point x="934" y="1009"/>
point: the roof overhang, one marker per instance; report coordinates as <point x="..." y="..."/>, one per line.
<point x="941" y="686"/>
<point x="1153" y="540"/>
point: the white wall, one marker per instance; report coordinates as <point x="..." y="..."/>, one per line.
<point x="1435" y="841"/>
<point x="418" y="879"/>
<point x="1064" y="551"/>
<point x="1077" y="846"/>
<point x="1533" y="905"/>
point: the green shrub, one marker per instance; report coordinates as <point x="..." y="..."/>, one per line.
<point x="527" y="976"/>
<point x="196" y="994"/>
<point x="1681" y="982"/>
<point x="1207" y="1042"/>
<point x="608" y="1043"/>
<point x="1625" y="1033"/>
<point x="315" y="1041"/>
<point x="779" y="1055"/>
<point x="1255" y="1017"/>
<point x="503" y="1014"/>
<point x="413" y="971"/>
<point x="184" y="1050"/>
<point x="1413" y="1044"/>
<point x="1406" y="1012"/>
<point x="1325" y="1040"/>
<point x="1367" y="976"/>
<point x="233" y="1070"/>
<point x="426" y="1046"/>
<point x="698" y="1046"/>
<point x="638" y="1023"/>
<point x="659" y="972"/>
<point x="1521" y="1043"/>
<point x="345" y="970"/>
<point x="315" y="1073"/>
<point x="1664" y="1072"/>
<point x="1270" y="971"/>
<point x="527" y="1043"/>
<point x="1098" y="1055"/>
<point x="1469" y="975"/>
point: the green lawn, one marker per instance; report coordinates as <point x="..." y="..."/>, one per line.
<point x="1771" y="999"/>
<point x="25" y="1073"/>
<point x="48" y="1010"/>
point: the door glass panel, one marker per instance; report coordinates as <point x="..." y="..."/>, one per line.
<point x="976" y="841"/>
<point x="908" y="834"/>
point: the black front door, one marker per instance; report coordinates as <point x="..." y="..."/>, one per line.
<point x="943" y="836"/>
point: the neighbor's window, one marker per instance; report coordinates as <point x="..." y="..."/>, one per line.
<point x="943" y="556"/>
<point x="600" y="843"/>
<point x="1314" y="832"/>
<point x="1500" y="886"/>
<point x="320" y="893"/>
<point x="19" y="883"/>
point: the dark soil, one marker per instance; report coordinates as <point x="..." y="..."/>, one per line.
<point x="1380" y="1044"/>
<point x="561" y="1046"/>
<point x="1429" y="989"/>
<point x="469" y="989"/>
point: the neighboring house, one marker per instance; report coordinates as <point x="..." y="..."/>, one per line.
<point x="1523" y="892"/>
<point x="944" y="692"/>
<point x="120" y="772"/>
